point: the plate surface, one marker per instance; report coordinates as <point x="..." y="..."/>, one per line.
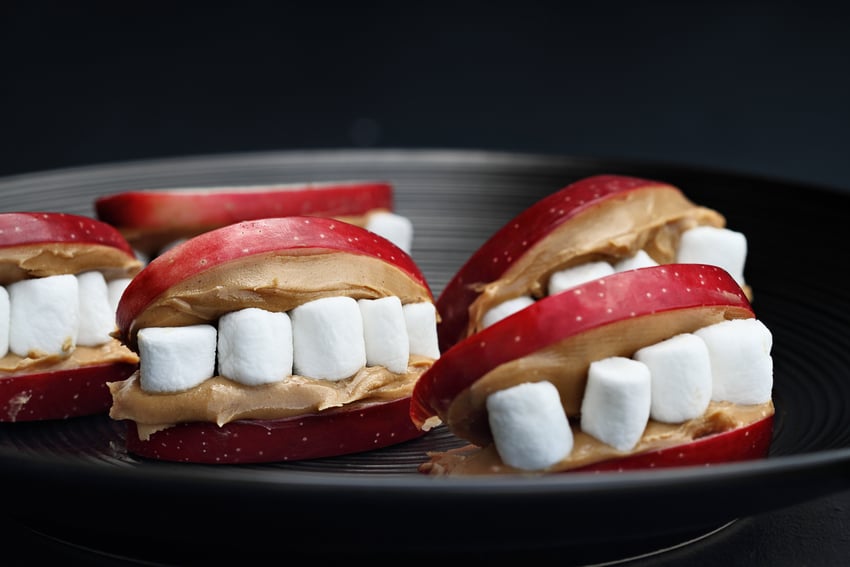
<point x="72" y="479"/>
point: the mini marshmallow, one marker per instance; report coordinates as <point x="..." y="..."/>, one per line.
<point x="385" y="333"/>
<point x="639" y="260"/>
<point x="505" y="309"/>
<point x="97" y="317"/>
<point x="741" y="364"/>
<point x="720" y="247"/>
<point x="44" y="315"/>
<point x="172" y="359"/>
<point x="115" y="289"/>
<point x="571" y="277"/>
<point x="680" y="372"/>
<point x="255" y="346"/>
<point x="396" y="228"/>
<point x="530" y="428"/>
<point x="327" y="338"/>
<point x="421" y="322"/>
<point x="616" y="403"/>
<point x="4" y="321"/>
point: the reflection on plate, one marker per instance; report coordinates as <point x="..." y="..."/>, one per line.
<point x="73" y="479"/>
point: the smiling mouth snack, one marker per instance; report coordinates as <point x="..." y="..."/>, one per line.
<point x="60" y="276"/>
<point x="153" y="220"/>
<point x="606" y="326"/>
<point x="650" y="367"/>
<point x="274" y="339"/>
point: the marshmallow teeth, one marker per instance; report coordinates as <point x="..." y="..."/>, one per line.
<point x="396" y="228"/>
<point x="720" y="247"/>
<point x="530" y="428"/>
<point x="54" y="315"/>
<point x="326" y="339"/>
<point x="671" y="381"/>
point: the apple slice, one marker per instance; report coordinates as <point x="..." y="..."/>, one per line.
<point x="557" y="338"/>
<point x="276" y="264"/>
<point x="607" y="217"/>
<point x="41" y="244"/>
<point x="152" y="219"/>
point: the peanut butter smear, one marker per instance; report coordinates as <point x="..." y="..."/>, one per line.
<point x="110" y="352"/>
<point x="221" y="400"/>
<point x="276" y="281"/>
<point x="651" y="219"/>
<point x="48" y="259"/>
<point x="719" y="417"/>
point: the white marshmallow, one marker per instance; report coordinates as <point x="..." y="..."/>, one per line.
<point x="97" y="317"/>
<point x="327" y="338"/>
<point x="4" y="321"/>
<point x="571" y="277"/>
<point x="396" y="228"/>
<point x="529" y="426"/>
<point x="505" y="309"/>
<point x="421" y="321"/>
<point x="115" y="289"/>
<point x="172" y="359"/>
<point x="639" y="260"/>
<point x="44" y="315"/>
<point x="385" y="333"/>
<point x="255" y="346"/>
<point x="741" y="364"/>
<point x="680" y="372"/>
<point x="616" y="403"/>
<point x="715" y="246"/>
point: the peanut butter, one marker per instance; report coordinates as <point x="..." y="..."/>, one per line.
<point x="48" y="259"/>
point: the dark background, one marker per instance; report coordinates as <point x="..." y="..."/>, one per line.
<point x="751" y="87"/>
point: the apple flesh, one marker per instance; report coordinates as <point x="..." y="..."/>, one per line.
<point x="350" y="429"/>
<point x="152" y="219"/>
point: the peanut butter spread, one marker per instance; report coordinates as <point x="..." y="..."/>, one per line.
<point x="110" y="352"/>
<point x="720" y="417"/>
<point x="48" y="259"/>
<point x="651" y="219"/>
<point x="221" y="400"/>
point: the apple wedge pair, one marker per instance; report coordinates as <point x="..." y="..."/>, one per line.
<point x="154" y="219"/>
<point x="277" y="270"/>
<point x="489" y="381"/>
<point x="56" y="354"/>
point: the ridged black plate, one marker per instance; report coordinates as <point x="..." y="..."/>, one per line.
<point x="73" y="479"/>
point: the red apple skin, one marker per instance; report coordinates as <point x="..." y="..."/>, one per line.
<point x="60" y="394"/>
<point x="745" y="443"/>
<point x="518" y="236"/>
<point x="350" y="429"/>
<point x="220" y="206"/>
<point x="25" y="228"/>
<point x="296" y="235"/>
<point x="603" y="302"/>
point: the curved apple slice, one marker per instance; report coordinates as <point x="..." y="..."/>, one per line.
<point x="151" y="219"/>
<point x="230" y="268"/>
<point x="34" y="244"/>
<point x="599" y="217"/>
<point x="60" y="394"/>
<point x="557" y="338"/>
<point x="349" y="429"/>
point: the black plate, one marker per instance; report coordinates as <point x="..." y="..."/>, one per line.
<point x="74" y="481"/>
